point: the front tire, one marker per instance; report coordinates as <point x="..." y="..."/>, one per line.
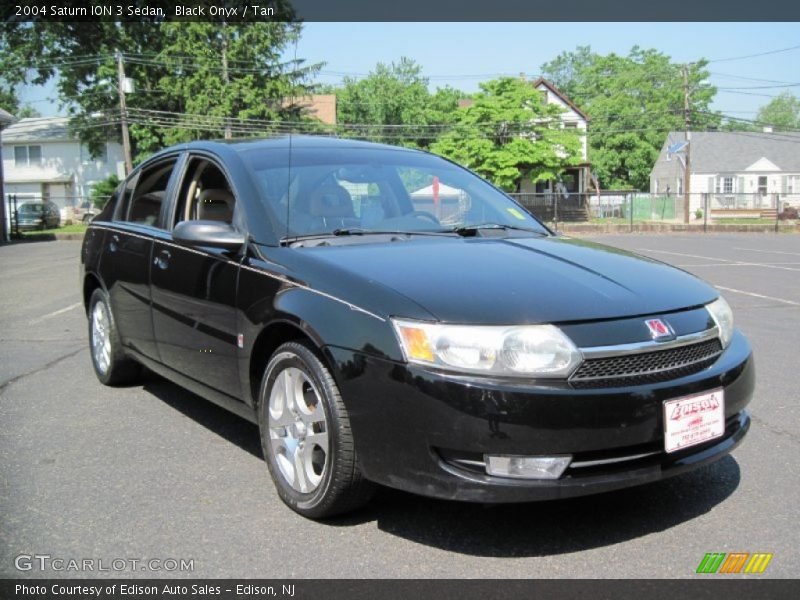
<point x="110" y="364"/>
<point x="306" y="436"/>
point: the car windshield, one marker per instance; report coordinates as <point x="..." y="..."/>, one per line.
<point x="336" y="191"/>
<point x="31" y="208"/>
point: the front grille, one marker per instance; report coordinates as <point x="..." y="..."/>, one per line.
<point x="647" y="367"/>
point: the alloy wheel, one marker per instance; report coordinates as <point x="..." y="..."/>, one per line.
<point x="101" y="338"/>
<point x="298" y="430"/>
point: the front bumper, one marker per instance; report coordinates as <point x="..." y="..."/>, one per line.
<point x="424" y="432"/>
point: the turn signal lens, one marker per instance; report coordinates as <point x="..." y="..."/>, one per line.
<point x="416" y="344"/>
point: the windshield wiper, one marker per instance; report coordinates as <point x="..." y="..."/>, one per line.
<point x="467" y="230"/>
<point x="345" y="231"/>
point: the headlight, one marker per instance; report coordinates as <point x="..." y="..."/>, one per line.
<point x="518" y="351"/>
<point x="723" y="317"/>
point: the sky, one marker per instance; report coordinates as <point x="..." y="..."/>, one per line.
<point x="463" y="54"/>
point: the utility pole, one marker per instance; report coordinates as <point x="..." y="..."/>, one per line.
<point x="225" y="79"/>
<point x="687" y="169"/>
<point x="123" y="114"/>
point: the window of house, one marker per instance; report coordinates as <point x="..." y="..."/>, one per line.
<point x="570" y="125"/>
<point x="762" y="185"/>
<point x="727" y="185"/>
<point x="88" y="157"/>
<point x="27" y="156"/>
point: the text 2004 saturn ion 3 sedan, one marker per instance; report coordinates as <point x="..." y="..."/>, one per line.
<point x="388" y="317"/>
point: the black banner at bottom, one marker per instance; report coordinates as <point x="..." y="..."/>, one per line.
<point x="404" y="589"/>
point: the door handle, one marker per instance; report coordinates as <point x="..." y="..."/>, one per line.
<point x="162" y="259"/>
<point x="114" y="243"/>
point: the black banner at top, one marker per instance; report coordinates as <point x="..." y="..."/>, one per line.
<point x="244" y="11"/>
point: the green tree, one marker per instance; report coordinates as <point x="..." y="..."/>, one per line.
<point x="103" y="190"/>
<point x="633" y="101"/>
<point x="782" y="112"/>
<point x="510" y="133"/>
<point x="394" y="103"/>
<point x="233" y="71"/>
<point x="177" y="67"/>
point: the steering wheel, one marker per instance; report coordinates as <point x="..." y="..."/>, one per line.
<point x="423" y="214"/>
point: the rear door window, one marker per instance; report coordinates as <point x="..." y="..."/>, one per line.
<point x="146" y="193"/>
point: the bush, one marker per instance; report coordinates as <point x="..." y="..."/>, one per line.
<point x="103" y="190"/>
<point x="698" y="214"/>
<point x="789" y="212"/>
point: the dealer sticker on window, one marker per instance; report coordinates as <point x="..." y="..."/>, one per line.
<point x="693" y="420"/>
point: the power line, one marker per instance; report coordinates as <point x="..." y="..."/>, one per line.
<point x="746" y="56"/>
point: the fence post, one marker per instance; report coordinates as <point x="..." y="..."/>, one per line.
<point x="705" y="212"/>
<point x="777" y="210"/>
<point x="631" y="209"/>
<point x="15" y="225"/>
<point x="555" y="211"/>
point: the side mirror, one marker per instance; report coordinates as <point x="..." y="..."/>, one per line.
<point x="212" y="234"/>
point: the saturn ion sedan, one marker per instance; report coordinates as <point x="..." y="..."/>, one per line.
<point x="388" y="317"/>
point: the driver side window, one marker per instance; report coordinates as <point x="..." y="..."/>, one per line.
<point x="205" y="194"/>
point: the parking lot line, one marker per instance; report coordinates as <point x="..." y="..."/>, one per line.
<point x="768" y="251"/>
<point x="723" y="262"/>
<point x="54" y="313"/>
<point x="728" y="289"/>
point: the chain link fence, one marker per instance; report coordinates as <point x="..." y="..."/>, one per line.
<point x="632" y="207"/>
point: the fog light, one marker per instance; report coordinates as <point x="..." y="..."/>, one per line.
<point x="527" y="467"/>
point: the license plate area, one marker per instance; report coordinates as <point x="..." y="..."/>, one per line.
<point x="694" y="419"/>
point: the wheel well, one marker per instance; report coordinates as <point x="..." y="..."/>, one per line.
<point x="90" y="284"/>
<point x="267" y="342"/>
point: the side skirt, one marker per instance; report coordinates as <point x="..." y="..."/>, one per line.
<point x="225" y="401"/>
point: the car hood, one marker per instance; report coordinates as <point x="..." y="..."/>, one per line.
<point x="516" y="280"/>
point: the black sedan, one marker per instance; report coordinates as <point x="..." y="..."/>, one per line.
<point x="386" y="316"/>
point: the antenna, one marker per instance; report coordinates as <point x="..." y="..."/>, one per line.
<point x="291" y="107"/>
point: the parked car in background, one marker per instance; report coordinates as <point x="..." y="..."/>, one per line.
<point x="452" y="346"/>
<point x="38" y="215"/>
<point x="85" y="212"/>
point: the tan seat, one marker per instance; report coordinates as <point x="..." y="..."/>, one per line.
<point x="215" y="205"/>
<point x="331" y="202"/>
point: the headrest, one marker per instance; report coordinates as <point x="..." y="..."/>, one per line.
<point x="331" y="201"/>
<point x="215" y="205"/>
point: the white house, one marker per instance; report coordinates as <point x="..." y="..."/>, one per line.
<point x="43" y="161"/>
<point x="745" y="171"/>
<point x="575" y="179"/>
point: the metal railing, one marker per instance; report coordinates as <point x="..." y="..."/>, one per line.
<point x="631" y="207"/>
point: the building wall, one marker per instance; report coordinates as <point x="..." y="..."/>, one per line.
<point x="570" y="116"/>
<point x="744" y="183"/>
<point x="66" y="170"/>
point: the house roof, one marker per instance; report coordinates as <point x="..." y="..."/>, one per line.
<point x="6" y="117"/>
<point x="39" y="129"/>
<point x="544" y="82"/>
<point x="723" y="151"/>
<point x="465" y="102"/>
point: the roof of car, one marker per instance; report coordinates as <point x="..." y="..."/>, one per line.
<point x="296" y="141"/>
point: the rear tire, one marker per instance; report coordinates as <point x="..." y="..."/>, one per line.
<point x="110" y="364"/>
<point x="306" y="436"/>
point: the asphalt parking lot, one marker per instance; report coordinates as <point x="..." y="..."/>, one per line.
<point x="152" y="471"/>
